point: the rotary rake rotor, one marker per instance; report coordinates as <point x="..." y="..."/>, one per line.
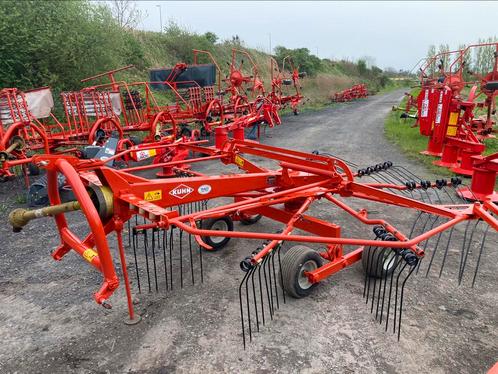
<point x="173" y="221"/>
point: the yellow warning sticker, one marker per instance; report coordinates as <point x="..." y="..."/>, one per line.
<point x="153" y="195"/>
<point x="89" y="254"/>
<point x="453" y="118"/>
<point x="451" y="131"/>
<point x="239" y="160"/>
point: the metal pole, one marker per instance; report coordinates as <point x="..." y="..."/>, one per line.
<point x="160" y="17"/>
<point x="269" y="36"/>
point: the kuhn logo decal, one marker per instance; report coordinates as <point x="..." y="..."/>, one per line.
<point x="181" y="191"/>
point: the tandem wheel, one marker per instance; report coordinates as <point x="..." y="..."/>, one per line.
<point x="298" y="260"/>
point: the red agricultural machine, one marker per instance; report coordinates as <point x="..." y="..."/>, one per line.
<point x="357" y="91"/>
<point x="27" y="124"/>
<point x="446" y="118"/>
<point x="279" y="79"/>
<point x="186" y="210"/>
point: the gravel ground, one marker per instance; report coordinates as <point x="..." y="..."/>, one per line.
<point x="50" y="324"/>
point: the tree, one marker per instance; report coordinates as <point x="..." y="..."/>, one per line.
<point x="126" y="13"/>
<point x="211" y="37"/>
<point x="430" y="54"/>
<point x="362" y="67"/>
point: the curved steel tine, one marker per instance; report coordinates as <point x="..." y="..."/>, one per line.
<point x="483" y="241"/>
<point x="436" y="218"/>
<point x="446" y="250"/>
<point x="390" y="291"/>
<point x="246" y="275"/>
<point x="135" y="244"/>
<point x="462" y="268"/>
<point x="434" y="252"/>
<point x="401" y="299"/>
<point x="146" y="245"/>
<point x="272" y="259"/>
<point x="261" y="295"/>
<point x="462" y="254"/>
<point x="379" y="257"/>
<point x="164" y="245"/>
<point x="255" y="299"/>
<point x="369" y="266"/>
<point x="270" y="299"/>
<point x="171" y="238"/>
<point x="366" y="272"/>
<point x="180" y="239"/>
<point x="153" y="247"/>
<point x="191" y="258"/>
<point x="389" y="264"/>
<point x="280" y="272"/>
<point x="396" y="295"/>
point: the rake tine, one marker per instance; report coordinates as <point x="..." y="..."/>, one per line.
<point x="181" y="257"/>
<point x="415" y="223"/>
<point x="433" y="253"/>
<point x="445" y="189"/>
<point x="247" y="302"/>
<point x="396" y="296"/>
<point x="436" y="218"/>
<point x="268" y="265"/>
<point x="389" y="264"/>
<point x="272" y="259"/>
<point x="154" y="256"/>
<point x="135" y="256"/>
<point x="480" y="253"/>
<point x="446" y="250"/>
<point x="261" y="295"/>
<point x="270" y="300"/>
<point x="246" y="275"/>
<point x="280" y="272"/>
<point x="191" y="258"/>
<point x="462" y="268"/>
<point x="390" y="292"/>
<point x="129" y="233"/>
<point x="146" y="245"/>
<point x="401" y="299"/>
<point x="171" y="256"/>
<point x="366" y="273"/>
<point x="463" y="249"/>
<point x="165" y="244"/>
<point x="369" y="266"/>
<point x="379" y="259"/>
<point x="253" y="271"/>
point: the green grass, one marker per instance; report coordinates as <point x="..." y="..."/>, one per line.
<point x="408" y="139"/>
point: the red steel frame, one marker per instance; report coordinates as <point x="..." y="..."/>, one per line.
<point x="301" y="180"/>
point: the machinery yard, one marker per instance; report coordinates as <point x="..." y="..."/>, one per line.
<point x="178" y="197"/>
<point x="49" y="329"/>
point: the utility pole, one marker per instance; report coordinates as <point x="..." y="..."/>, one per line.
<point x="160" y="17"/>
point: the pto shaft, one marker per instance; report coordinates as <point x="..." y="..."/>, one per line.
<point x="20" y="217"/>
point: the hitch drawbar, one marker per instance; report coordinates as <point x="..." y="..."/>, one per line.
<point x="20" y="217"/>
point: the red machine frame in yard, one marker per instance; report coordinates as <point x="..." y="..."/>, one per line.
<point x="110" y="198"/>
<point x="357" y="91"/>
<point x="278" y="80"/>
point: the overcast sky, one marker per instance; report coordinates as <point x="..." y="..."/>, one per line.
<point x="396" y="33"/>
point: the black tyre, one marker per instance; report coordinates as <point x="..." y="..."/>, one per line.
<point x="378" y="261"/>
<point x="296" y="112"/>
<point x="217" y="224"/>
<point x="298" y="260"/>
<point x="250" y="219"/>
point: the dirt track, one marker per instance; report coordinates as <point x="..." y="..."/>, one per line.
<point x="50" y="324"/>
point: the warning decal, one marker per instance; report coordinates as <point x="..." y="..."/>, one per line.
<point x="89" y="254"/>
<point x="153" y="195"/>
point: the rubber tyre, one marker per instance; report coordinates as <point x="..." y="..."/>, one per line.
<point x="251" y="220"/>
<point x="372" y="255"/>
<point x="208" y="225"/>
<point x="292" y="263"/>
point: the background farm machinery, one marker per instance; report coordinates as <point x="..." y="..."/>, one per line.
<point x="357" y="91"/>
<point x="455" y="131"/>
<point x="191" y="210"/>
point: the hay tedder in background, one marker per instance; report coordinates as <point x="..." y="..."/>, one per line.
<point x="173" y="222"/>
<point x="455" y="133"/>
<point x="357" y="91"/>
<point x="280" y="79"/>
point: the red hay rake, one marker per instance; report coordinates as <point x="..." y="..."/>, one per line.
<point x="357" y="91"/>
<point x="183" y="211"/>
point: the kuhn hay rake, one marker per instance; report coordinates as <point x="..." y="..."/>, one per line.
<point x="357" y="91"/>
<point x="181" y="211"/>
